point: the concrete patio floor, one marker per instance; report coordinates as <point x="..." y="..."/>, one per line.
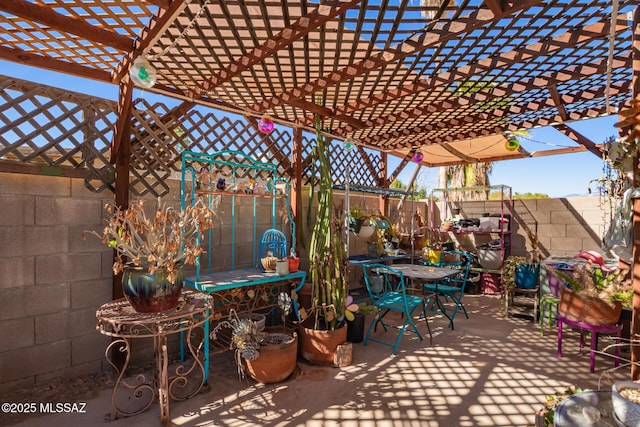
<point x="489" y="371"/>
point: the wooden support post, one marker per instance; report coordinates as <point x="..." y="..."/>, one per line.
<point x="383" y="183"/>
<point x="635" y="322"/>
<point x="121" y="156"/>
<point x="296" y="183"/>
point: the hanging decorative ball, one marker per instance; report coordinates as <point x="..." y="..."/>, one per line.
<point x="265" y="125"/>
<point x="142" y="73"/>
<point x="512" y="144"/>
<point x="418" y="156"/>
<point x="348" y="145"/>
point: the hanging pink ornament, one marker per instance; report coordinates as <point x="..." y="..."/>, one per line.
<point x="418" y="156"/>
<point x="265" y="125"/>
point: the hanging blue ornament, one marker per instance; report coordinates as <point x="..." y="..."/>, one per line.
<point x="418" y="156"/>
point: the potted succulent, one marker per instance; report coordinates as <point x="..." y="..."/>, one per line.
<point x="268" y="356"/>
<point x="152" y="250"/>
<point x="324" y="329"/>
<point x="592" y="297"/>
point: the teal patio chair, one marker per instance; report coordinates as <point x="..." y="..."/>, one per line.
<point x="387" y="291"/>
<point x="452" y="287"/>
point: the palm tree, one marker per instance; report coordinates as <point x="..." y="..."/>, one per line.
<point x="471" y="175"/>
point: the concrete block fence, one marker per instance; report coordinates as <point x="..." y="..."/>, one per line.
<point x="53" y="280"/>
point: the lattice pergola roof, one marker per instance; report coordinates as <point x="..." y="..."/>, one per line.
<point x="394" y="75"/>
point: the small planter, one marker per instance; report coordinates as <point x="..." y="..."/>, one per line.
<point x="277" y="360"/>
<point x="259" y="318"/>
<point x="318" y="346"/>
<point x="579" y="307"/>
<point x="432" y="256"/>
<point x="527" y="276"/>
<point x="627" y="410"/>
<point x="355" y="224"/>
<point x="366" y="231"/>
<point x="294" y="264"/>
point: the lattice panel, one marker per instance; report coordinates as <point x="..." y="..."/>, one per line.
<point x="41" y="124"/>
<point x="159" y="138"/>
<point x="354" y="159"/>
<point x="45" y="125"/>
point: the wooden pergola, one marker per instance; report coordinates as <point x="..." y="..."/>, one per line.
<point x="451" y="79"/>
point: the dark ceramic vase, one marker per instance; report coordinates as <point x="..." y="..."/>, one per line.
<point x="151" y="293"/>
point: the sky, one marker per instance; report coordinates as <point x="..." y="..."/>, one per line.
<point x="555" y="176"/>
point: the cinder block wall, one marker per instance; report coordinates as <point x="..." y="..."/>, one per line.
<point x="53" y="281"/>
<point x="562" y="226"/>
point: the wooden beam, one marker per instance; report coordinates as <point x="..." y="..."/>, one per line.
<point x="578" y="137"/>
<point x="460" y="155"/>
<point x="47" y="63"/>
<point x="160" y="3"/>
<point x="496" y="6"/>
<point x="300" y="28"/>
<point x="579" y="35"/>
<point x="555" y="96"/>
<point x="147" y="37"/>
<point x="432" y="36"/>
<point x="121" y="156"/>
<point x="122" y="128"/>
<point x="422" y="131"/>
<point x="383" y="183"/>
<point x="403" y="163"/>
<point x="497" y="93"/>
<point x="635" y="320"/>
<point x="68" y="24"/>
<point x="373" y="169"/>
<point x="10" y="166"/>
<point x="296" y="184"/>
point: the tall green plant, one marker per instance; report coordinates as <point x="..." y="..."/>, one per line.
<point x="327" y="255"/>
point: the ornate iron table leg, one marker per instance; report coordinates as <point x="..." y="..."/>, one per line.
<point x="140" y="390"/>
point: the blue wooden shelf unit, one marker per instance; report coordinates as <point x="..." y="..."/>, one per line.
<point x="243" y="289"/>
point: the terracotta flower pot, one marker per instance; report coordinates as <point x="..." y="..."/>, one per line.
<point x="294" y="264"/>
<point x="318" y="346"/>
<point x="276" y="361"/>
<point x="580" y="307"/>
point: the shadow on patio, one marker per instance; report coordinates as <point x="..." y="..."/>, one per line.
<point x="489" y="371"/>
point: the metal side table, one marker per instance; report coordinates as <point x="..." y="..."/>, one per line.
<point x="136" y="393"/>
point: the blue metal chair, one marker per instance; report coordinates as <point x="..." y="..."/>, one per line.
<point x="453" y="287"/>
<point x="387" y="291"/>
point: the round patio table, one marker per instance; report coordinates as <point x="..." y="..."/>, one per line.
<point x="135" y="393"/>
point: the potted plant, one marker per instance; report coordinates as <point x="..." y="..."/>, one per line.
<point x="324" y="329"/>
<point x="355" y="220"/>
<point x="592" y="297"/>
<point x="152" y="250"/>
<point x="268" y="356"/>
